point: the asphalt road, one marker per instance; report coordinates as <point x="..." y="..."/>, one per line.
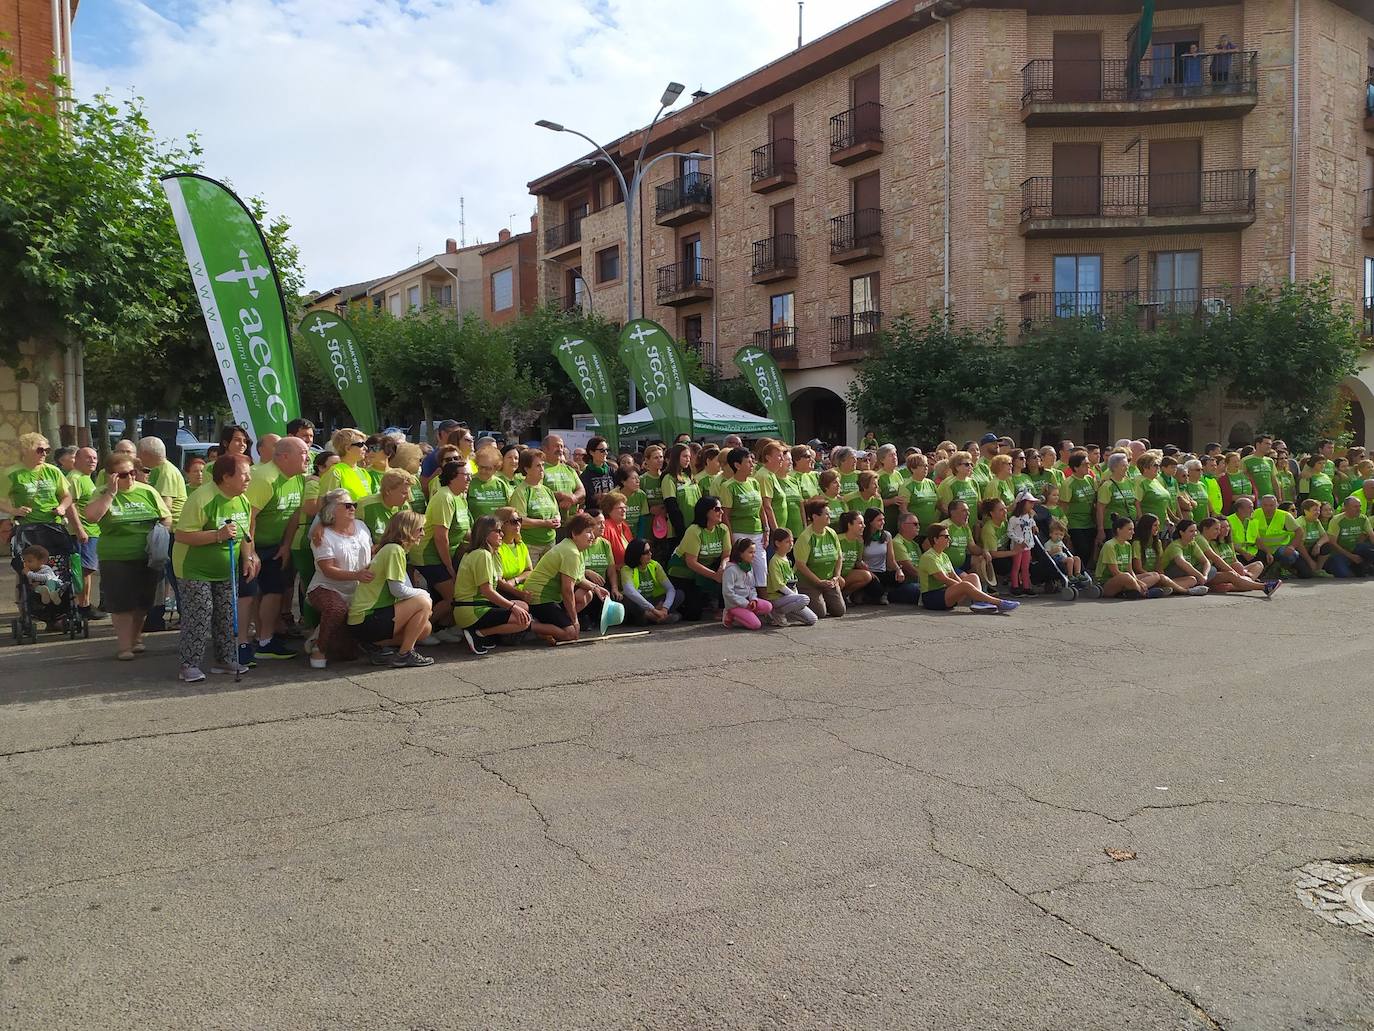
<point x="894" y="820"/>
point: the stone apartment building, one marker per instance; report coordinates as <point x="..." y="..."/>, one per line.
<point x="998" y="159"/>
<point x="44" y="389"/>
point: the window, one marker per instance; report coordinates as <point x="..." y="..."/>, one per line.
<point x="378" y="301"/>
<point x="1077" y="284"/>
<point x="780" y="315"/>
<point x="608" y="265"/>
<point x="1176" y="275"/>
<point x="394" y="303"/>
<point x="692" y="253"/>
<point x="413" y="298"/>
<point x="502" y="289"/>
<point x="579" y="290"/>
<point x="442" y="295"/>
<point x="691" y="329"/>
<point x="863" y="294"/>
<point x="1368" y="321"/>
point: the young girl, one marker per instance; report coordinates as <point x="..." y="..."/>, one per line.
<point x="647" y="589"/>
<point x="742" y="602"/>
<point x="781" y="589"/>
<point x="1021" y="532"/>
<point x="1071" y="565"/>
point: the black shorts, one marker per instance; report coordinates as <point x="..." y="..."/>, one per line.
<point x="935" y="600"/>
<point x="551" y="612"/>
<point x="377" y="625"/>
<point x="434" y="576"/>
<point x="249" y="588"/>
<point x="495" y="616"/>
<point x="271" y="579"/>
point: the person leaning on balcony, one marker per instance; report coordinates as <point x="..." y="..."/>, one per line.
<point x="1221" y="60"/>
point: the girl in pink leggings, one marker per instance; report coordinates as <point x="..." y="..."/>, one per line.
<point x="742" y="602"/>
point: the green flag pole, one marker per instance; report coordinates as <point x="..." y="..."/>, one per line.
<point x="587" y="369"/>
<point x="653" y="360"/>
<point x="341" y="359"/>
<point x="761" y="370"/>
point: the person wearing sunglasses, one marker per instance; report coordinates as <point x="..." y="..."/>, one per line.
<point x="125" y="512"/>
<point x="695" y="566"/>
<point x="488" y="490"/>
<point x="349" y="472"/>
<point x="943" y="589"/>
<point x="959" y="485"/>
<point x="35" y="492"/>
<point x="342" y="548"/>
<point x="597" y="478"/>
<point x="275" y="492"/>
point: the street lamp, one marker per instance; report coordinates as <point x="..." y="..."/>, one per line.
<point x="630" y="189"/>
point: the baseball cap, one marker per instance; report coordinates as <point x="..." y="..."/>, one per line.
<point x="988" y="438"/>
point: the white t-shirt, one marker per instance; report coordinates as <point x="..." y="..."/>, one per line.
<point x="875" y="553"/>
<point x="351" y="553"/>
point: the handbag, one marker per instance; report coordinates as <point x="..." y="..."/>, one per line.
<point x="159" y="544"/>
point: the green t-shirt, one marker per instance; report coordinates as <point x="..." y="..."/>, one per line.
<point x="1347" y="485"/>
<point x="1155" y="498"/>
<point x="545" y="584"/>
<point x="276" y="498"/>
<point x="1261" y="470"/>
<point x="1312" y="530"/>
<point x="706" y="546"/>
<point x="388" y="564"/>
<point x="419" y="500"/>
<point x="780" y="575"/>
<point x="597" y="559"/>
<point x="1241" y="487"/>
<point x="342" y="476"/>
<point x="535" y="502"/>
<point x="486" y="498"/>
<point x="1287" y="487"/>
<point x="818" y="552"/>
<point x="207" y="509"/>
<point x="1079" y="495"/>
<point x="745" y="503"/>
<point x="1148" y="554"/>
<point x="890" y="488"/>
<point x="41" y="489"/>
<point x="967" y="490"/>
<point x="960" y="537"/>
<point x="849" y="482"/>
<point x="931" y="564"/>
<point x="791" y="486"/>
<point x="904" y="550"/>
<point x="83" y="489"/>
<point x="921" y="500"/>
<point x="562" y="479"/>
<point x="686" y="490"/>
<point x="993" y="536"/>
<point x="810" y="484"/>
<point x="1320" y="487"/>
<point x="1115" y="551"/>
<point x="1042" y="480"/>
<point x="651" y="483"/>
<point x="859" y="503"/>
<point x="124" y="527"/>
<point x="850" y="551"/>
<point x="770" y="487"/>
<point x="445" y="509"/>
<point x="1224" y="549"/>
<point x="1202" y="501"/>
<point x="167" y="480"/>
<point x="1000" y="488"/>
<point x="374" y="515"/>
<point x="1119" y="499"/>
<point x="637" y="513"/>
<point x="1192" y="554"/>
<point x="1348" y="532"/>
<point x="479" y="566"/>
<point x="310" y="491"/>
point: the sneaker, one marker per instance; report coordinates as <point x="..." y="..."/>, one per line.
<point x="246" y="659"/>
<point x="1323" y="574"/>
<point x="430" y="642"/>
<point x="381" y="656"/>
<point x="1007" y="605"/>
<point x="452" y="635"/>
<point x="1271" y="587"/>
<point x="231" y="668"/>
<point x="1197" y="592"/>
<point x="407" y="660"/>
<point x="191" y="674"/>
<point x="777" y="619"/>
<point x="882" y="600"/>
<point x="1157" y="592"/>
<point x="274" y="649"/>
<point x="984" y="607"/>
<point x="475" y="645"/>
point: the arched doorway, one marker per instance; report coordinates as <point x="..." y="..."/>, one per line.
<point x="1240" y="435"/>
<point x="1166" y="428"/>
<point x="1355" y="403"/>
<point x="819" y="414"/>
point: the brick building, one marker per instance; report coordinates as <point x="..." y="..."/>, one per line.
<point x="510" y="275"/>
<point x="44" y="390"/>
<point x="995" y="158"/>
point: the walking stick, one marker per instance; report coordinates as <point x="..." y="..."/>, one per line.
<point x="234" y="606"/>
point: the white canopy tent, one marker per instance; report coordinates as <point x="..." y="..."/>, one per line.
<point x="711" y="417"/>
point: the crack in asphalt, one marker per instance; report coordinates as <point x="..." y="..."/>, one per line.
<point x="544" y="820"/>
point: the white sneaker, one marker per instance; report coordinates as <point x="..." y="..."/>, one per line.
<point x="777" y="619"/>
<point x="450" y="635"/>
<point x="233" y="667"/>
<point x="429" y="642"/>
<point x="191" y="674"/>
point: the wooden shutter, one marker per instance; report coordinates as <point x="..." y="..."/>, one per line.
<point x="781" y="129"/>
<point x="784" y="218"/>
<point x="1077" y="179"/>
<point x="1175" y="177"/>
<point x="1077" y="66"/>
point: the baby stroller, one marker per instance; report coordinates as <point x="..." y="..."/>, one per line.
<point x="1054" y="578"/>
<point x="66" y="563"/>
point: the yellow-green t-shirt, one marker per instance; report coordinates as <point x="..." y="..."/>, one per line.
<point x="780" y="575"/>
<point x="207" y="509"/>
<point x="535" y="502"/>
<point x="486" y="498"/>
<point x="41" y="489"/>
<point x="388" y="564"/>
<point x="342" y="476"/>
<point x="1115" y="551"/>
<point x="276" y="498"/>
<point x="545" y="584"/>
<point x="818" y="552"/>
<point x="479" y="567"/>
<point x="931" y="564"/>
<point x="125" y="525"/>
<point x="445" y="509"/>
<point x="167" y="480"/>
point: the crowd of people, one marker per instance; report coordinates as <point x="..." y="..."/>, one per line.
<point x="377" y="547"/>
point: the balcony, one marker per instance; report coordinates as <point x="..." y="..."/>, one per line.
<point x="775" y="258"/>
<point x="561" y="238"/>
<point x="687" y="282"/>
<point x="1151" y="307"/>
<point x="1120" y="205"/>
<point x="856" y="134"/>
<point x="683" y="200"/>
<point x="1369" y="101"/>
<point x="781" y="343"/>
<point x="853" y="336"/>
<point x="705" y="350"/>
<point x="774" y="166"/>
<point x="856" y="236"/>
<point x="1166" y="90"/>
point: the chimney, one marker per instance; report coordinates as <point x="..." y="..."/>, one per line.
<point x="534" y="222"/>
<point x="504" y="235"/>
<point x="700" y="94"/>
<point x="450" y="246"/>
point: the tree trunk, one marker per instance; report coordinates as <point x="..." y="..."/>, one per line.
<point x="101" y="441"/>
<point x="427" y="430"/>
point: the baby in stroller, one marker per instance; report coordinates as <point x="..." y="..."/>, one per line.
<point x="46" y="559"/>
<point x="42" y="577"/>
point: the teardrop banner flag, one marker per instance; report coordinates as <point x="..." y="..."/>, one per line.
<point x="587" y="369"/>
<point x="341" y="359"/>
<point x="653" y="360"/>
<point x="761" y="370"/>
<point x="240" y="297"/>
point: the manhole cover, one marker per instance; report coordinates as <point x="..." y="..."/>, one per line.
<point x="1341" y="893"/>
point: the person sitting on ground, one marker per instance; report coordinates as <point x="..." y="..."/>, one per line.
<point x="942" y="588"/>
<point x="481" y="611"/>
<point x="855" y="576"/>
<point x="742" y="602"/>
<point x="386" y="611"/>
<point x="1228" y="575"/>
<point x="695" y="565"/>
<point x="341" y="546"/>
<point x="649" y="594"/>
<point x="559" y="585"/>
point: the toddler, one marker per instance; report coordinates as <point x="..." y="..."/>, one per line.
<point x="1021" y="533"/>
<point x="1055" y="547"/>
<point x="41" y="576"/>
